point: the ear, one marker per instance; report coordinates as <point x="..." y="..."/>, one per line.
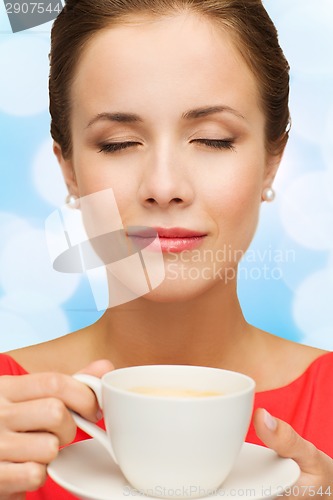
<point x="67" y="169"/>
<point x="272" y="166"/>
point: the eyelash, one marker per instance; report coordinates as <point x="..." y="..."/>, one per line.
<point x="217" y="143"/>
<point x="114" y="147"/>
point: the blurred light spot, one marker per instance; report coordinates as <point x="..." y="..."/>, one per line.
<point x="10" y="225"/>
<point x="327" y="145"/>
<point x="4" y="21"/>
<point x="47" y="176"/>
<point x="312" y="308"/>
<point x="321" y="338"/>
<point x="296" y="262"/>
<point x="307" y="37"/>
<point x="310" y="101"/>
<point x="24" y="70"/>
<point x="25" y="265"/>
<point x="306" y="211"/>
<point x="15" y="331"/>
<point x="298" y="158"/>
<point x="44" y="317"/>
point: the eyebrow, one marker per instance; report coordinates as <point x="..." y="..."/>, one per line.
<point x="210" y="110"/>
<point x="189" y="115"/>
<point x="116" y="117"/>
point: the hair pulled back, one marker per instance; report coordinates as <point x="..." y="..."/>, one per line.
<point x="246" y="21"/>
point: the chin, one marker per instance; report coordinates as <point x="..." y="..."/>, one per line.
<point x="179" y="291"/>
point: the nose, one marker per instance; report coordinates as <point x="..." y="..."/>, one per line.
<point x="165" y="182"/>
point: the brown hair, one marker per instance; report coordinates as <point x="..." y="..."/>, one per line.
<point x="246" y="20"/>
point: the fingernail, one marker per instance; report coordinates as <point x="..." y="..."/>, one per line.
<point x="270" y="421"/>
<point x="99" y="414"/>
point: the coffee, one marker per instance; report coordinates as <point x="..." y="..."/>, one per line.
<point x="172" y="392"/>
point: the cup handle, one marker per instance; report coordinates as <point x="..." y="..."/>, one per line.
<point x="95" y="384"/>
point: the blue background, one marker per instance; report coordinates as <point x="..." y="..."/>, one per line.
<point x="286" y="280"/>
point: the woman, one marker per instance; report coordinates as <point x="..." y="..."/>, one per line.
<point x="182" y="109"/>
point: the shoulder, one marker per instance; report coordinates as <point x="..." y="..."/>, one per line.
<point x="66" y="354"/>
<point x="290" y="360"/>
<point x="298" y="358"/>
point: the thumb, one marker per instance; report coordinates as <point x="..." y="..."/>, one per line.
<point x="282" y="438"/>
<point x="98" y="368"/>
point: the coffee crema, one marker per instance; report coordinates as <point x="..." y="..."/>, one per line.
<point x="174" y="392"/>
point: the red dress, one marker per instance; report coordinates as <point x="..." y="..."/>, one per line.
<point x="306" y="403"/>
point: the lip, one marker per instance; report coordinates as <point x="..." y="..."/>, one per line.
<point x="174" y="239"/>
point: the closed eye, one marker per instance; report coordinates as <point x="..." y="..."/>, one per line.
<point x="217" y="143"/>
<point x="113" y="147"/>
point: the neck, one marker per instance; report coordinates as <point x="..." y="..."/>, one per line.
<point x="209" y="330"/>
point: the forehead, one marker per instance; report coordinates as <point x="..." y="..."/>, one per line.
<point x="181" y="60"/>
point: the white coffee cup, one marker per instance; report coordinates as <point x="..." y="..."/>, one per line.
<point x="172" y="445"/>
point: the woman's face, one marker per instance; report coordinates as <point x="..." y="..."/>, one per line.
<point x="166" y="113"/>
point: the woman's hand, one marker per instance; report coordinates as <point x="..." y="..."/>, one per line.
<point x="35" y="421"/>
<point x="316" y="479"/>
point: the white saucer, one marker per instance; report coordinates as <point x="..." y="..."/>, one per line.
<point x="87" y="471"/>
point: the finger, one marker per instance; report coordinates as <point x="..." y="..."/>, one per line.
<point x="40" y="447"/>
<point x="18" y="478"/>
<point x="98" y="368"/>
<point x="14" y="496"/>
<point x="49" y="414"/>
<point x="282" y="438"/>
<point x="72" y="393"/>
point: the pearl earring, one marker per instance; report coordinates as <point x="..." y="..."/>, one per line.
<point x="72" y="201"/>
<point x="268" y="194"/>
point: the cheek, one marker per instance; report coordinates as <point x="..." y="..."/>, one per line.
<point x="234" y="204"/>
<point x="92" y="177"/>
<point x="237" y="192"/>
